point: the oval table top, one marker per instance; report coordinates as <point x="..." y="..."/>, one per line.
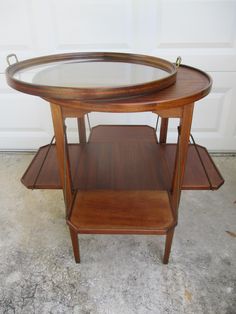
<point x="109" y="82"/>
<point x="191" y="85"/>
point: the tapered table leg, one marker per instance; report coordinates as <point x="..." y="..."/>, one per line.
<point x="62" y="154"/>
<point x="169" y="238"/>
<point x="75" y="244"/>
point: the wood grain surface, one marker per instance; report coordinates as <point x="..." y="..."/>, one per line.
<point x="146" y="177"/>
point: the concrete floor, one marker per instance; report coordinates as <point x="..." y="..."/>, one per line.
<point x="117" y="274"/>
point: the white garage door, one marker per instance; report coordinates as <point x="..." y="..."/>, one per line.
<point x="202" y="32"/>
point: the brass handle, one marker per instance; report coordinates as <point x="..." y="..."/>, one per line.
<point x="12" y="55"/>
<point x="178" y="61"/>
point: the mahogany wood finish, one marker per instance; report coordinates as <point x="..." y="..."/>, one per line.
<point x="191" y="85"/>
<point x="163" y="130"/>
<point x="122" y="180"/>
<point x="55" y="92"/>
<point x="194" y="178"/>
<point x="68" y="112"/>
<point x="169" y="238"/>
<point x="126" y="212"/>
<point x="122" y="133"/>
<point x="175" y="112"/>
<point x="122" y="212"/>
<point x="181" y="155"/>
<point x="82" y="129"/>
<point x="75" y="244"/>
<point x="62" y="154"/>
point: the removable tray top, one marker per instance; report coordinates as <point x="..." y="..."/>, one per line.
<point x="91" y="75"/>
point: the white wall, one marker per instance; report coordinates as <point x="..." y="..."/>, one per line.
<point x="202" y="32"/>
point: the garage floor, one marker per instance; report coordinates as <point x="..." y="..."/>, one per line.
<point x="117" y="274"/>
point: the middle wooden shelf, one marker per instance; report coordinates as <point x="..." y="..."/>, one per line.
<point x="122" y="158"/>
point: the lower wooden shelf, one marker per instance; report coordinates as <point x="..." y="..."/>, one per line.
<point x="122" y="212"/>
<point x="116" y="158"/>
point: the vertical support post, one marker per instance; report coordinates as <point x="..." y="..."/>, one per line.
<point x="181" y="155"/>
<point x="169" y="238"/>
<point x="163" y="130"/>
<point x="75" y="244"/>
<point x="62" y="154"/>
<point x="82" y="129"/>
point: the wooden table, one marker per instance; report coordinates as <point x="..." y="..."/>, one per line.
<point x="123" y="180"/>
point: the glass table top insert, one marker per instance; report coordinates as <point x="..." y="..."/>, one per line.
<point x="90" y="74"/>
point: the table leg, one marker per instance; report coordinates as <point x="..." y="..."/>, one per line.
<point x="82" y="129"/>
<point x="181" y="155"/>
<point x="75" y="244"/>
<point x="62" y="154"/>
<point x="164" y="129"/>
<point x="169" y="238"/>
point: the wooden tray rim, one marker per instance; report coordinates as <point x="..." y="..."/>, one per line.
<point x="92" y="93"/>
